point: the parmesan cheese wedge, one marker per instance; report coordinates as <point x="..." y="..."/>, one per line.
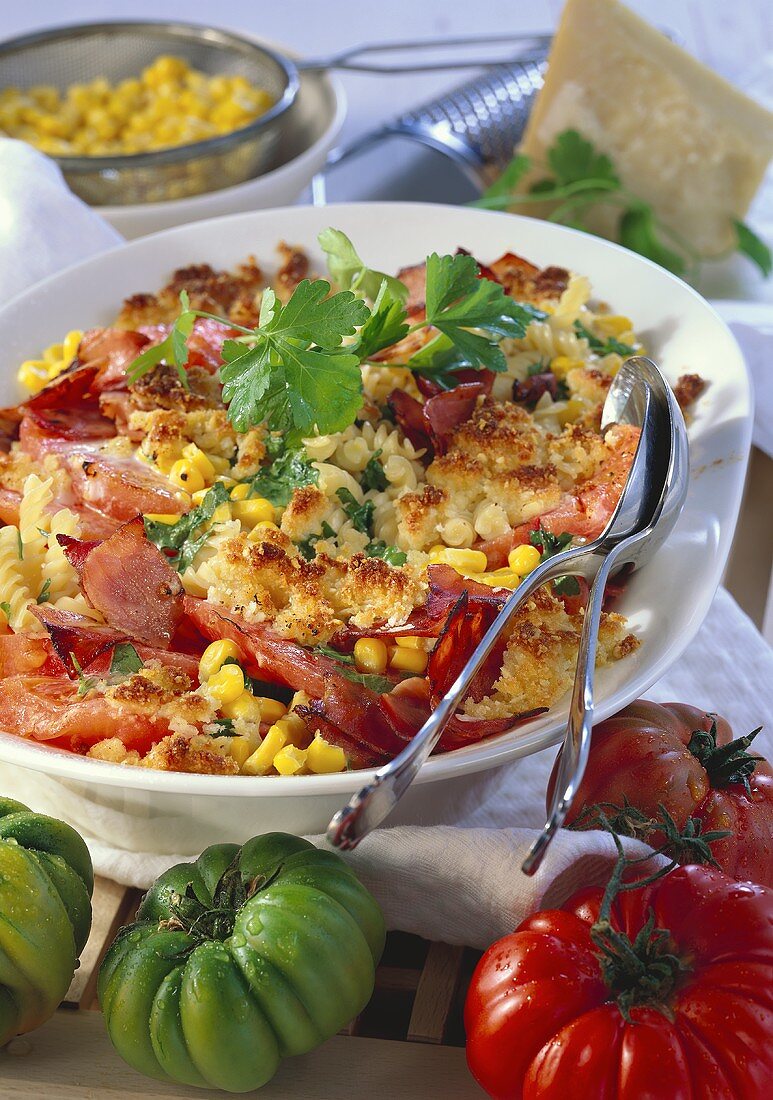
<point x="679" y="136"/>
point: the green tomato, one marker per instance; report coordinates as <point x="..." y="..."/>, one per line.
<point x="46" y="882"/>
<point x="238" y="960"/>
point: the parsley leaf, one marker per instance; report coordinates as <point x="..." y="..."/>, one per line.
<point x="43" y="594"/>
<point x="750" y="245"/>
<point x="5" y="607"/>
<point x="125" y="660"/>
<point x="603" y="347"/>
<point x="373" y="476"/>
<point x="291" y="371"/>
<point x="386" y="325"/>
<point x="391" y="555"/>
<point x="179" y="537"/>
<point x="288" y="470"/>
<point x="361" y="515"/>
<point x="349" y="272"/>
<point x="457" y="301"/>
<point x="573" y="158"/>
<point x="639" y="232"/>
<point x="173" y="349"/>
<point x="550" y="545"/>
<point x="376" y="683"/>
<point x="19" y="546"/>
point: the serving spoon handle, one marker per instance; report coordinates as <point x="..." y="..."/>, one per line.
<point x="576" y="745"/>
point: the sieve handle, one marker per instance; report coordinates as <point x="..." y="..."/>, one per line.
<point x="348" y="60"/>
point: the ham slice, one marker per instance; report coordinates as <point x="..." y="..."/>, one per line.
<point x="432" y="424"/>
<point x="63" y="431"/>
<point x="130" y="581"/>
<point x="74" y="638"/>
<point x="120" y="488"/>
<point x="264" y="653"/>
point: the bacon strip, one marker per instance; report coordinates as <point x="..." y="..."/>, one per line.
<point x="53" y="431"/>
<point x="431" y="425"/>
<point x="428" y="388"/>
<point x="120" y="488"/>
<point x="263" y="653"/>
<point x="74" y="637"/>
<point x="131" y="582"/>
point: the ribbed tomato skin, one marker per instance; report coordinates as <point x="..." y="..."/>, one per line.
<point x="541" y="1023"/>
<point x="641" y="755"/>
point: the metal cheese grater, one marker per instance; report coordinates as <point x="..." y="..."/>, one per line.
<point x="477" y="125"/>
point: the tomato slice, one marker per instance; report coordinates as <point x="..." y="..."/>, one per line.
<point x="50" y="710"/>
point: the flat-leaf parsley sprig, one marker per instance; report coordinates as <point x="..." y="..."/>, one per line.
<point x="583" y="178"/>
<point x="299" y="370"/>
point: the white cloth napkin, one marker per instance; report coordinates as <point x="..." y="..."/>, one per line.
<point x="43" y="226"/>
<point x="460" y="880"/>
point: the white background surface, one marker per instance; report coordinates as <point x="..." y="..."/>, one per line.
<point x="731" y="37"/>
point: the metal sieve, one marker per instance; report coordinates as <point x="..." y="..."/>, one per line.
<point x="116" y="50"/>
<point x="477" y="125"/>
<point x="68" y="55"/>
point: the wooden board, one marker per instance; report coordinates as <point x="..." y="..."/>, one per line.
<point x="409" y="1040"/>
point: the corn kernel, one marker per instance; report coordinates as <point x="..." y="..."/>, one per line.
<point x="500" y="578"/>
<point x="290" y="760"/>
<point x="244" y="706"/>
<point x="260" y="528"/>
<point x="240" y="492"/>
<point x="222" y="466"/>
<point x="371" y="655"/>
<point x="408" y="660"/>
<point x="271" y="710"/>
<point x="241" y="749"/>
<point x="612" y="324"/>
<point x="222" y="514"/>
<point x="522" y="559"/>
<point x="562" y="364"/>
<point x="198" y="496"/>
<point x="412" y="642"/>
<point x="463" y="561"/>
<point x="294" y="729"/>
<point x="323" y="758"/>
<point x="262" y="759"/>
<point x="250" y="512"/>
<point x="226" y="685"/>
<point x="215" y="655"/>
<point x="186" y="476"/>
<point x="162" y="517"/>
<point x="201" y="461"/>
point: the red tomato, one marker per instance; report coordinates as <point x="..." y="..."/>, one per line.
<point x="672" y="754"/>
<point x="48" y="709"/>
<point x="544" y="1022"/>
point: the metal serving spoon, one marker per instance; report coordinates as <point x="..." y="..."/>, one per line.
<point x="661" y="504"/>
<point x="629" y="401"/>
